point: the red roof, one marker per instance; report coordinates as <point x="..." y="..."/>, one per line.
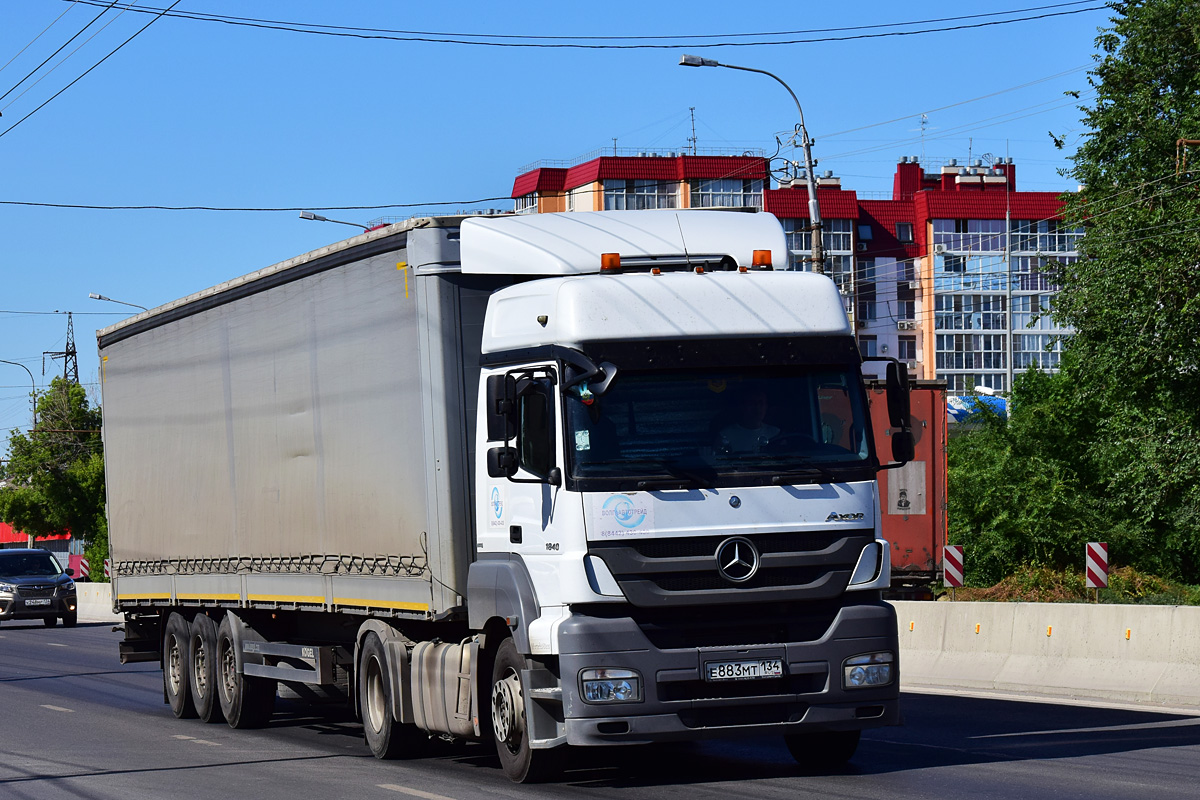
<point x="987" y="205"/>
<point x="546" y="179"/>
<point x="882" y="216"/>
<point x="793" y="203"/>
<point x="10" y="536"/>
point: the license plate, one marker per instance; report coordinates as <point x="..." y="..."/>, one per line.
<point x="38" y="601"/>
<point x="743" y="670"/>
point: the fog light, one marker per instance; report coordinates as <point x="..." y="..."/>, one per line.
<point x="70" y="608"/>
<point x="611" y="685"/>
<point x="872" y="669"/>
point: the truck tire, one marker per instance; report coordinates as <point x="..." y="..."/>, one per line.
<point x="824" y="751"/>
<point x="520" y="762"/>
<point x="386" y="737"/>
<point x="176" y="683"/>
<point x="202" y="660"/>
<point x="246" y="701"/>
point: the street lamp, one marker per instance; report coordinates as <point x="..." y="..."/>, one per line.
<point x="32" y="385"/>
<point x="319" y="218"/>
<point x="95" y="296"/>
<point x="814" y="211"/>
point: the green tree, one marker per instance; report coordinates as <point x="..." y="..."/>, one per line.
<point x="1134" y="295"/>
<point x="1108" y="449"/>
<point x="53" y="481"/>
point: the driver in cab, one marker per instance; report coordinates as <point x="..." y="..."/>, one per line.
<point x="749" y="433"/>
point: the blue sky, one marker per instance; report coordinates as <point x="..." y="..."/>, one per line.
<point x="203" y="113"/>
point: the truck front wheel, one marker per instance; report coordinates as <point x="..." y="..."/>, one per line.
<point x="246" y="701"/>
<point x="521" y="763"/>
<point x="822" y="751"/>
<point x="176" y="682"/>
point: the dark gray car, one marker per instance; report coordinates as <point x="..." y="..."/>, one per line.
<point x="33" y="585"/>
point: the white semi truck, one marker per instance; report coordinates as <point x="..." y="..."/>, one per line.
<point x="544" y="480"/>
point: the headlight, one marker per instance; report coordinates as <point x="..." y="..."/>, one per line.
<point x="70" y="584"/>
<point x="611" y="685"/>
<point x="872" y="669"/>
<point x="7" y="588"/>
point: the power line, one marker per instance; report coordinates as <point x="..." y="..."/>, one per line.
<point x="40" y="35"/>
<point x="60" y="49"/>
<point x="89" y="69"/>
<point x="580" y="42"/>
<point x="251" y="208"/>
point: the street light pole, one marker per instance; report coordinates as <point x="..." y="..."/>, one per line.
<point x="32" y="386"/>
<point x="319" y="218"/>
<point x="814" y="210"/>
<point x="94" y="296"/>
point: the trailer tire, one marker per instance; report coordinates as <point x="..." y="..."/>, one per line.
<point x="824" y="751"/>
<point x="520" y="762"/>
<point x="246" y="701"/>
<point x="202" y="664"/>
<point x="176" y="680"/>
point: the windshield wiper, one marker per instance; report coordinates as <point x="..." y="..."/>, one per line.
<point x="807" y="471"/>
<point x="698" y="477"/>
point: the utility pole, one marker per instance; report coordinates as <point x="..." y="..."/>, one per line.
<point x="692" y="110"/>
<point x="68" y="354"/>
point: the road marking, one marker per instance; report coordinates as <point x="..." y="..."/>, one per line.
<point x="1138" y="726"/>
<point x="59" y="708"/>
<point x="55" y="644"/>
<point x="391" y="787"/>
<point x="184" y="738"/>
<point x="207" y="742"/>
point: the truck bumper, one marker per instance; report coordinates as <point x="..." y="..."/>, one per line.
<point x="677" y="703"/>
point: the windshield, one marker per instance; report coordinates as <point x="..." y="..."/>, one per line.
<point x="19" y="565"/>
<point x="719" y="427"/>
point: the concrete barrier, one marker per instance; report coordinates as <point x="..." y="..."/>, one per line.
<point x="1148" y="655"/>
<point x="95" y="603"/>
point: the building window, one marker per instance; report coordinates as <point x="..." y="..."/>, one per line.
<point x="631" y="195"/>
<point x="954" y="264"/>
<point x="969" y="312"/>
<point x="526" y="204"/>
<point x="907" y="348"/>
<point x="867" y="346"/>
<point x="1044" y="236"/>
<point x="866" y="306"/>
<point x="866" y="270"/>
<point x="906" y="309"/>
<point x="580" y="198"/>
<point x="969" y="235"/>
<point x="904" y="231"/>
<point x="864" y="233"/>
<point x="835" y="235"/>
<point x="728" y="193"/>
<point x="966" y="351"/>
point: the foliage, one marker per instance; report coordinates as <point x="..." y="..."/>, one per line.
<point x="54" y="479"/>
<point x="1109" y="448"/>
<point x="1030" y="584"/>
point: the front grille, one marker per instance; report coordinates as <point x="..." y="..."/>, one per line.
<point x="35" y="591"/>
<point x="725" y="690"/>
<point x="807" y="565"/>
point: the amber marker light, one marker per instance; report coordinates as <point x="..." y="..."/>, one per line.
<point x="762" y="258"/>
<point x="610" y="262"/>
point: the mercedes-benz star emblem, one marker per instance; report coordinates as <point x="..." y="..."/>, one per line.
<point x="737" y="559"/>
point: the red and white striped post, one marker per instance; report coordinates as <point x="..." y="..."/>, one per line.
<point x="1096" y="560"/>
<point x="107" y="568"/>
<point x="83" y="567"/>
<point x="952" y="567"/>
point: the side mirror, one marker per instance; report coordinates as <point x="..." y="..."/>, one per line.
<point x="501" y="404"/>
<point x="897" y="395"/>
<point x="903" y="446"/>
<point x="502" y="462"/>
<point x="70" y="572"/>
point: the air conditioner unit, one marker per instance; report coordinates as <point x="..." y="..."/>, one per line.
<point x="861" y="247"/>
<point x="906" y="284"/>
<point x="862" y="323"/>
<point x="939" y="249"/>
<point x="906" y="325"/>
<point x="911" y="366"/>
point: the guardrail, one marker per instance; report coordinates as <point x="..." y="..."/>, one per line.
<point x="1147" y="655"/>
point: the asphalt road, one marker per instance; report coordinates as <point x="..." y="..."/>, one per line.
<point x="74" y="723"/>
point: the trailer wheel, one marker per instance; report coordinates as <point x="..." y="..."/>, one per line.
<point x="822" y="751"/>
<point x="202" y="662"/>
<point x="521" y="763"/>
<point x="246" y="701"/>
<point x="175" y="667"/>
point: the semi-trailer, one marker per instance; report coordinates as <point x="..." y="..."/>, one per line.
<point x="534" y="480"/>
